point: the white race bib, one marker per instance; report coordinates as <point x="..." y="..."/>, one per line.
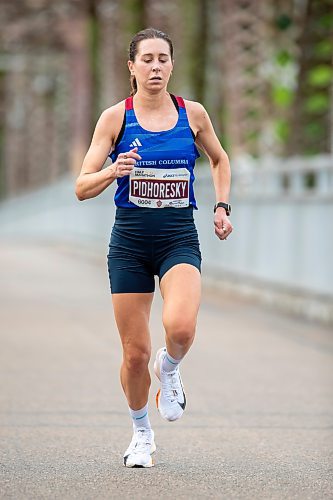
<point x="158" y="188"/>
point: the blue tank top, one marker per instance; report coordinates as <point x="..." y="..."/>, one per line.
<point x="170" y="149"/>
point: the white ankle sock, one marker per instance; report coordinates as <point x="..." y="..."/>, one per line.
<point x="140" y="417"/>
<point x="169" y="364"/>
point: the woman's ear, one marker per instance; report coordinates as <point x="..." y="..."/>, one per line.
<point x="130" y="67"/>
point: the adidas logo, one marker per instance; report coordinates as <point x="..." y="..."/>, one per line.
<point x="135" y="143"/>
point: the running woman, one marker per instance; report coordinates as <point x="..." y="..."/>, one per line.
<point x="152" y="138"/>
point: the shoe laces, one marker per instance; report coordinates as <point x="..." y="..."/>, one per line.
<point x="143" y="440"/>
<point x="171" y="385"/>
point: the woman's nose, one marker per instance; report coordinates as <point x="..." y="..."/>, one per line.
<point x="156" y="65"/>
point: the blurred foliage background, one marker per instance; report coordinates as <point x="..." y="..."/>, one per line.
<point x="262" y="69"/>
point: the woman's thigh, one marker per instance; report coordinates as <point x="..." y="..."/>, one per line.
<point x="132" y="312"/>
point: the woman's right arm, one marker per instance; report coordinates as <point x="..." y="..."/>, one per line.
<point x="92" y="180"/>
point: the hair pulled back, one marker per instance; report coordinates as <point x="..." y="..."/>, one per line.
<point x="145" y="34"/>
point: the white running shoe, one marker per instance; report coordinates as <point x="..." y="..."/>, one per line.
<point x="142" y="446"/>
<point x="170" y="399"/>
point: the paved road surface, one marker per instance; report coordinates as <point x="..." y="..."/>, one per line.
<point x="259" y="386"/>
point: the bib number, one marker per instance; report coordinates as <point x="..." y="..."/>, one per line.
<point x="158" y="188"/>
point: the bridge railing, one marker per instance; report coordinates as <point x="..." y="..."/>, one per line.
<point x="281" y="249"/>
<point x="292" y="178"/>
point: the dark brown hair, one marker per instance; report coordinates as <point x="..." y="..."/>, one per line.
<point x="146" y="34"/>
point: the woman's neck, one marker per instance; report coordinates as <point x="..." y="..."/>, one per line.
<point x="150" y="101"/>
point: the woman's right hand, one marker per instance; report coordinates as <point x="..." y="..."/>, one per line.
<point x="125" y="163"/>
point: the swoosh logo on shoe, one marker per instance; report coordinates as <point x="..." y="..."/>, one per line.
<point x="182" y="405"/>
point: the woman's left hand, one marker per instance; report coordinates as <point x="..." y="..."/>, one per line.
<point x="222" y="224"/>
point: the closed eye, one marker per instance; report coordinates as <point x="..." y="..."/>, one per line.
<point x="150" y="60"/>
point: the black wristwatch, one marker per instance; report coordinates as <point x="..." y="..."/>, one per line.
<point x="226" y="206"/>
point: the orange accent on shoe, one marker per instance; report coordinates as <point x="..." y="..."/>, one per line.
<point x="157" y="396"/>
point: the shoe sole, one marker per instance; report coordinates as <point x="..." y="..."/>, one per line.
<point x="145" y="466"/>
<point x="158" y="375"/>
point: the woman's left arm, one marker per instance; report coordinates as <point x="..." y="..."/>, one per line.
<point x="207" y="140"/>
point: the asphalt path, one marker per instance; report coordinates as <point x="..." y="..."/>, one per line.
<point x="259" y="420"/>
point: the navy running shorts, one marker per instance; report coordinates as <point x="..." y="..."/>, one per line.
<point x="146" y="242"/>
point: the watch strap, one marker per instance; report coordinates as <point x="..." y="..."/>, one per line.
<point x="226" y="206"/>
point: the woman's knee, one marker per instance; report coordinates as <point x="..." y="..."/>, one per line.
<point x="180" y="331"/>
<point x="136" y="359"/>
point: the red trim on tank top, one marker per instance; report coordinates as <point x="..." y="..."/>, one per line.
<point x="180" y="101"/>
<point x="129" y="103"/>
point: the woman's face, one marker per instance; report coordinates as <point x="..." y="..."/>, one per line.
<point x="153" y="65"/>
